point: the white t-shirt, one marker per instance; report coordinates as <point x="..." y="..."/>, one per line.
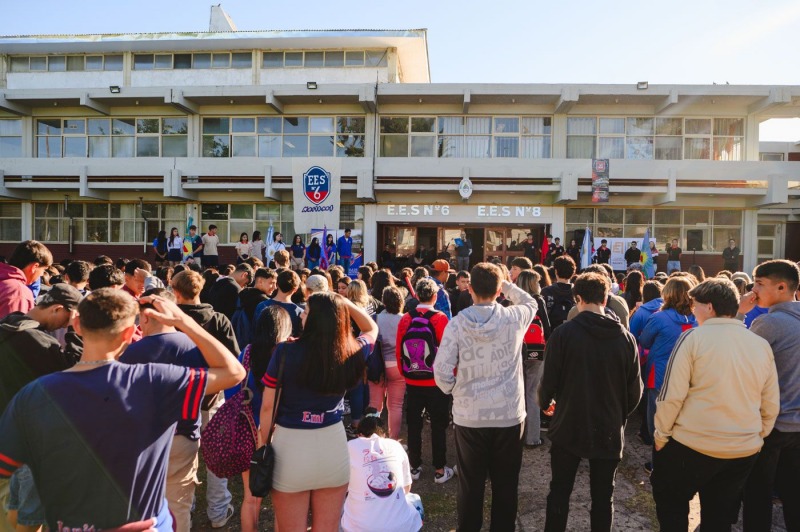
<point x="257" y="248"/>
<point x="210" y="244"/>
<point x="376" y="500"/>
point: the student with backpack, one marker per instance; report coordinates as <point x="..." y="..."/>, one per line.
<point x="533" y="355"/>
<point x="558" y="296"/>
<point x="418" y="337"/>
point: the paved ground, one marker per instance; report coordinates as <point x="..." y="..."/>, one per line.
<point x="634" y="507"/>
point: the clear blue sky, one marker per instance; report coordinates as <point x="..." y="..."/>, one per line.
<point x="508" y="41"/>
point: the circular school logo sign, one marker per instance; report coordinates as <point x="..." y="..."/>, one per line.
<point x="316" y="184"/>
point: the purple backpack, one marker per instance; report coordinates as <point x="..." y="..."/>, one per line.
<point x="230" y="438"/>
<point x="418" y="347"/>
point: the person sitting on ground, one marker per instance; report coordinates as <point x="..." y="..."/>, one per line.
<point x="113" y="420"/>
<point x="380" y="482"/>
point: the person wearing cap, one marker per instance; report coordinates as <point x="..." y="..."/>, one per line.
<point x="29" y="352"/>
<point x="441" y="271"/>
<point x="316" y="283"/>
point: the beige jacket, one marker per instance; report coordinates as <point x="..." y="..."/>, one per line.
<point x="720" y="395"/>
<point x="615" y="303"/>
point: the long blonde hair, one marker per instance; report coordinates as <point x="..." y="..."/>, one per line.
<point x="358" y="293"/>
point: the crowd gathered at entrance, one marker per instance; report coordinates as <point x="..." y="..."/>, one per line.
<point x="116" y="377"/>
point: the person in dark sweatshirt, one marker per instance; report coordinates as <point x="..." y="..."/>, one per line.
<point x="225" y="292"/>
<point x="558" y="296"/>
<point x="591" y="372"/>
<point x="778" y="463"/>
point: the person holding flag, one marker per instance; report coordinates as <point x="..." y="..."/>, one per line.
<point x="545" y="249"/>
<point x="647" y="256"/>
<point x="327" y="253"/>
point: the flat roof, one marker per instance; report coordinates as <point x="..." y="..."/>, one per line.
<point x="411" y="44"/>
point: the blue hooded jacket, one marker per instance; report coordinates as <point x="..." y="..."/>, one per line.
<point x="659" y="336"/>
<point x="642" y="314"/>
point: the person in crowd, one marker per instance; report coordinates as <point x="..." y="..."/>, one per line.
<point x="574" y="251"/>
<point x="591" y="372"/>
<point x="554" y="250"/>
<point x="440" y="272"/>
<point x="392" y="387"/>
<point x="380" y="482"/>
<point x="405" y="277"/>
<point x="342" y="284"/>
<point x="30" y="352"/>
<point x="298" y="252"/>
<point x="163" y="344"/>
<point x="77" y="274"/>
<point x="364" y="273"/>
<point x="257" y="246"/>
<point x="659" y="336"/>
<point x="316" y="283"/>
<point x="314" y="253"/>
<point x="730" y="256"/>
<point x="603" y="253"/>
<point x="137" y="273"/>
<point x="777" y="467"/>
<point x="330" y="251"/>
<point x="615" y="305"/>
<point x="719" y="401"/>
<point x="344" y="247"/>
<point x="460" y="297"/>
<point x="529" y="249"/>
<point x="633" y="254"/>
<point x="380" y="280"/>
<point x="281" y="260"/>
<point x="160" y="248"/>
<point x="224" y="295"/>
<point x="197" y="246"/>
<point x="174" y="247"/>
<point x="674" y="256"/>
<point x="210" y="243"/>
<point x="558" y="296"/>
<point x="532" y="362"/>
<point x="243" y="248"/>
<point x="273" y="327"/>
<point x="187" y="286"/>
<point x="165" y="273"/>
<point x="288" y="283"/>
<point x="518" y="265"/>
<point x="210" y="276"/>
<point x="101" y="260"/>
<point x="111" y="418"/>
<point x="419" y="334"/>
<point x="545" y="279"/>
<point x="633" y="290"/>
<point x="651" y="303"/>
<point x="698" y="272"/>
<point x="358" y="396"/>
<point x="314" y="465"/>
<point x="25" y="266"/>
<point x="264" y="282"/>
<point x="463" y="251"/>
<point x="106" y="276"/>
<point x="274" y="247"/>
<point x="488" y="395"/>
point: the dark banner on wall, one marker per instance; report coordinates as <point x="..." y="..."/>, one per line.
<point x="599" y="180"/>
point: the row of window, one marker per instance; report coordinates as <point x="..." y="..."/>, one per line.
<point x="702" y="229"/>
<point x="527" y="137"/>
<point x="200" y="60"/>
<point x="66" y="63"/>
<point x="720" y="139"/>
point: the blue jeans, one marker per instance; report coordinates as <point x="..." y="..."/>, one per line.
<point x="24" y="498"/>
<point x="463" y="263"/>
<point x="673" y="265"/>
<point x="359" y="400"/>
<point x="344" y="262"/>
<point x="313" y="263"/>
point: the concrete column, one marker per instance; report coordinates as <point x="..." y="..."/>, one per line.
<point x="370" y="234"/>
<point x="558" y="225"/>
<point x="749" y="243"/>
<point x="27" y="220"/>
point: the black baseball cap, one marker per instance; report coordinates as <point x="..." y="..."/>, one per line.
<point x="62" y="294"/>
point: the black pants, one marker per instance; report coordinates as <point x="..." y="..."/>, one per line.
<point x="679" y="472"/>
<point x="497" y="452"/>
<point x="564" y="466"/>
<point x="777" y="466"/>
<point x="437" y="404"/>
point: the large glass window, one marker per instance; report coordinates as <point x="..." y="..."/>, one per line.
<point x="111" y="137"/>
<point x="11" y="138"/>
<point x="319" y="59"/>
<point x="10" y="222"/>
<point x="68" y="63"/>
<point x="465" y="136"/>
<point x="290" y="136"/>
<point x="707" y="229"/>
<point x="198" y="60"/>
<point x="658" y="138"/>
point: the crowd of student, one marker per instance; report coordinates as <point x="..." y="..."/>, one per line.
<point x="110" y="374"/>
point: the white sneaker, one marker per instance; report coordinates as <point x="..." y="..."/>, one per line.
<point x="224" y="521"/>
<point x="444" y="476"/>
<point x="416" y="472"/>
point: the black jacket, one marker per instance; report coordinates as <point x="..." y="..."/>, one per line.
<point x="218" y="325"/>
<point x="249" y="298"/>
<point x="558" y="299"/>
<point x="591" y="370"/>
<point x="633" y="255"/>
<point x="27" y="352"/>
<point x="224" y="295"/>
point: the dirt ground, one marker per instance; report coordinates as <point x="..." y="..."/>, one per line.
<point x="634" y="509"/>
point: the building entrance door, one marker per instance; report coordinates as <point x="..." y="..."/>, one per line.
<point x="503" y="244"/>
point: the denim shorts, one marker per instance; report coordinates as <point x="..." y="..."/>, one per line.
<point x="24" y="498"/>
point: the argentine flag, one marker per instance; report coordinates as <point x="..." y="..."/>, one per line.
<point x="587" y="249"/>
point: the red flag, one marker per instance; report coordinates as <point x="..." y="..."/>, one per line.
<point x="545" y="248"/>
